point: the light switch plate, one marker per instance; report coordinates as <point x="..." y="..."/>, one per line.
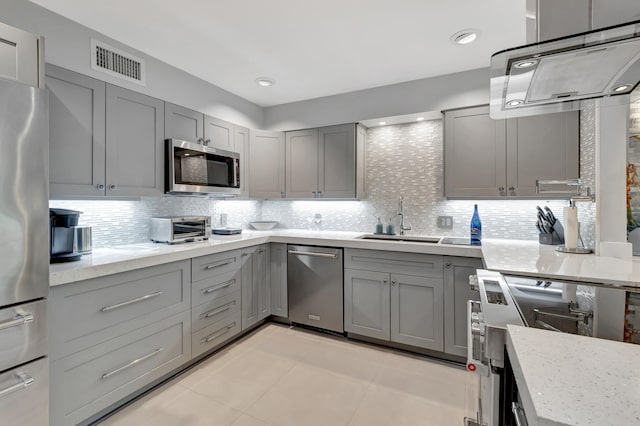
<point x="445" y="222"/>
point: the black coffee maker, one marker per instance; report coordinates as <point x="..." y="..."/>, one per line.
<point x="61" y="226"/>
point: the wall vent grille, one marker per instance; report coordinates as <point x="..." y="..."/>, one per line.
<point x="115" y="62"/>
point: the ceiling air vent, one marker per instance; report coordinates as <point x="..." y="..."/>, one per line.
<point x="115" y="62"/>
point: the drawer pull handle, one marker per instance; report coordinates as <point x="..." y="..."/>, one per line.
<point x="24" y="380"/>
<point x="218" y="287"/>
<point x="219" y="333"/>
<point x="21" y="318"/>
<point x="220" y="309"/>
<point x="131" y="364"/>
<point x="217" y="265"/>
<point x="129" y="302"/>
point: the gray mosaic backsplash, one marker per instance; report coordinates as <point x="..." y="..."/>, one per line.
<point x="403" y="160"/>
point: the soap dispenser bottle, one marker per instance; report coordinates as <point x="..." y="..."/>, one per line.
<point x="379" y="227"/>
<point x="390" y="228"/>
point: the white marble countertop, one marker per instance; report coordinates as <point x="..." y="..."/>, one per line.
<point x="528" y="258"/>
<point x="106" y="261"/>
<point x="570" y="380"/>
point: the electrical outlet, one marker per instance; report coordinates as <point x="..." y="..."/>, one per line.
<point x="445" y="222"/>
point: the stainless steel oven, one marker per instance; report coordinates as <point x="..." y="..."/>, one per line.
<point x="192" y="168"/>
<point x="519" y="301"/>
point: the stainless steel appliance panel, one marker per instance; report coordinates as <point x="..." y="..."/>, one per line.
<point x="315" y="286"/>
<point x="23" y="333"/>
<point x="24" y="394"/>
<point x="24" y="171"/>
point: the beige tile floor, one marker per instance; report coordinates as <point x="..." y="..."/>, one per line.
<point x="279" y="375"/>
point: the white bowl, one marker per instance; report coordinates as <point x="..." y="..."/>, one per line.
<point x="263" y="225"/>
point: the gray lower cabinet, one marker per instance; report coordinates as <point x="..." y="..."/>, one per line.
<point x="76" y="134"/>
<point x="486" y="158"/>
<point x="267" y="159"/>
<point x="395" y="296"/>
<point x="241" y="143"/>
<point x="417" y="311"/>
<point x="456" y="293"/>
<point x="256" y="304"/>
<point x="91" y="380"/>
<point x="278" y="271"/>
<point x="135" y="144"/>
<point x="183" y="123"/>
<point x="20" y="56"/>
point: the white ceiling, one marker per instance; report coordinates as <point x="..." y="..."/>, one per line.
<point x="311" y="48"/>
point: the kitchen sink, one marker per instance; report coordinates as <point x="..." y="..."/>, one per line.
<point x="401" y="238"/>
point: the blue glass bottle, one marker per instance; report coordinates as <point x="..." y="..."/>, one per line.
<point x="476" y="227"/>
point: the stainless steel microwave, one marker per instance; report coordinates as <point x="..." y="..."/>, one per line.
<point x="192" y="168"/>
<point x="180" y="229"/>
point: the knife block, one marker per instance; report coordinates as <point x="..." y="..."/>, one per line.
<point x="555" y="238"/>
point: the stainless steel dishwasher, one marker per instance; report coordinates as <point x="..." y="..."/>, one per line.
<point x="315" y="286"/>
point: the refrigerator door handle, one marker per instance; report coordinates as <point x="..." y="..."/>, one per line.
<point x="21" y="318"/>
<point x="24" y="381"/>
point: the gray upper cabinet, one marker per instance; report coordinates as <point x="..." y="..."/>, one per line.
<point x="183" y="123"/>
<point x="267" y="159"/>
<point x="337" y="161"/>
<point x="321" y="163"/>
<point x="302" y="163"/>
<point x="474" y="154"/>
<point x="278" y="272"/>
<point x="366" y="303"/>
<point x="76" y="134"/>
<point x="218" y="133"/>
<point x="241" y="144"/>
<point x="21" y="56"/>
<point x="456" y="293"/>
<point x="541" y="147"/>
<point x="417" y="311"/>
<point x="487" y="158"/>
<point x="135" y="141"/>
<point x="361" y="162"/>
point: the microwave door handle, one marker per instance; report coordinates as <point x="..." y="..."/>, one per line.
<point x="236" y="172"/>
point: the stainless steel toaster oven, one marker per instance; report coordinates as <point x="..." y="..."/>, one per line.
<point x="180" y="229"/>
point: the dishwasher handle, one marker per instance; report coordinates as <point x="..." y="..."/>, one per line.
<point x="313" y="254"/>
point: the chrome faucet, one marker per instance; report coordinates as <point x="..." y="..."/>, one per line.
<point x="403" y="227"/>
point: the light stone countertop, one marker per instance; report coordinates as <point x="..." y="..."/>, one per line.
<point x="112" y="260"/>
<point x="570" y="380"/>
<point x="528" y="258"/>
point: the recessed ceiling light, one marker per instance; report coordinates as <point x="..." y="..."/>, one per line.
<point x="622" y="88"/>
<point x="525" y="64"/>
<point x="465" y="36"/>
<point x="515" y="102"/>
<point x="420" y="119"/>
<point x="382" y="123"/>
<point x="265" y="81"/>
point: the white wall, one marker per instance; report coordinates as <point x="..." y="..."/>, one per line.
<point x="67" y="44"/>
<point x="467" y="88"/>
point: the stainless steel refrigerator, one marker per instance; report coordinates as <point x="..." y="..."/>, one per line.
<point x="24" y="254"/>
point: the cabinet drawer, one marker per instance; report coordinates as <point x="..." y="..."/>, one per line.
<point x="215" y="334"/>
<point x="93" y="379"/>
<point x="215" y="264"/>
<point x="215" y="310"/>
<point x="89" y="312"/>
<point x="23" y="333"/>
<point x="424" y="265"/>
<point x="215" y="287"/>
<point x="26" y="405"/>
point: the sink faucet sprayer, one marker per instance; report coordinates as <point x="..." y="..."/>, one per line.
<point x="401" y="214"/>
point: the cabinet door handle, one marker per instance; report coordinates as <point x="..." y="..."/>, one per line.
<point x="113" y="187"/>
<point x="100" y="187"/>
<point x="200" y="141"/>
<point x="131" y="364"/>
<point x="207" y="142"/>
<point x="261" y="250"/>
<point x="218" y="333"/>
<point x="129" y="302"/>
<point x="245" y="254"/>
<point x="394" y="282"/>
<point x="511" y="188"/>
<point x="24" y="380"/>
<point x="385" y="281"/>
<point x="447" y="265"/>
<point x="501" y="188"/>
<point x="282" y="194"/>
<point x="219" y="310"/>
<point x="21" y="318"/>
<point x="218" y="265"/>
<point x="218" y="287"/>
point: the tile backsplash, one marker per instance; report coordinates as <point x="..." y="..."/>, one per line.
<point x="404" y="159"/>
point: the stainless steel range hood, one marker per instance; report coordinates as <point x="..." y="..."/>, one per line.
<point x="556" y="75"/>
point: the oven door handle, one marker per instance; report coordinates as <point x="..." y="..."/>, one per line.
<point x="473" y="364"/>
